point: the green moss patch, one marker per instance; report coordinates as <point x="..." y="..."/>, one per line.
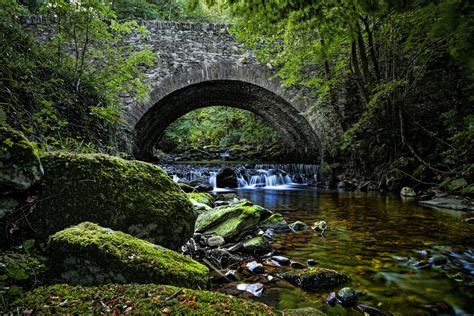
<point x="131" y="196"/>
<point x="137" y="299"/>
<point x="204" y="198"/>
<point x="275" y="222"/>
<point x="91" y="254"/>
<point x="231" y="222"/>
<point x="20" y="166"/>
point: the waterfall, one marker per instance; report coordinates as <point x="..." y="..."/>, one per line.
<point x="249" y="176"/>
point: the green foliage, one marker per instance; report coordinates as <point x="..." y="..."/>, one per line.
<point x="406" y="60"/>
<point x="20" y="270"/>
<point x="220" y="127"/>
<point x="69" y="87"/>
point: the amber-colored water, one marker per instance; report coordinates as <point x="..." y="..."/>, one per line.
<point x="367" y="232"/>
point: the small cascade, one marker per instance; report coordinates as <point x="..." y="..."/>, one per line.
<point x="249" y="176"/>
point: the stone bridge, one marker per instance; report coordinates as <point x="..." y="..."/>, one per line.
<point x="202" y="65"/>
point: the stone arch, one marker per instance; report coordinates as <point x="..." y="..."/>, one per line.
<point x="248" y="87"/>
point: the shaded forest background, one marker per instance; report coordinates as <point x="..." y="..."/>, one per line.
<point x="409" y="63"/>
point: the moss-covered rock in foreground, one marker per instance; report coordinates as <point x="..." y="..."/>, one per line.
<point x="20" y="166"/>
<point x="131" y="196"/>
<point x="91" y="254"/>
<point x="230" y="222"/>
<point x="137" y="299"/>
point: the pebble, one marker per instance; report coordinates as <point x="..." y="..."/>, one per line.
<point x="231" y="275"/>
<point x="311" y="262"/>
<point x="255" y="267"/>
<point x="255" y="288"/>
<point x="215" y="241"/>
<point x="281" y="260"/>
<point x="297" y="265"/>
<point x="331" y="299"/>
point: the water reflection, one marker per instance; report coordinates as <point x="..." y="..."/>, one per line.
<point x="367" y="232"/>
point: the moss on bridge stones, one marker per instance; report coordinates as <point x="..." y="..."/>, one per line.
<point x="90" y="254"/>
<point x="148" y="299"/>
<point x="131" y="196"/>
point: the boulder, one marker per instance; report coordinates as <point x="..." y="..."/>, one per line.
<point x="407" y="192"/>
<point x="226" y="178"/>
<point x="275" y="222"/>
<point x="257" y="245"/>
<point x="131" y="196"/>
<point x="315" y="279"/>
<point x="140" y="299"/>
<point x="200" y="207"/>
<point x="201" y="185"/>
<point x="201" y="197"/>
<point x="20" y="165"/>
<point x="454" y="185"/>
<point x="90" y="254"/>
<point x="232" y="223"/>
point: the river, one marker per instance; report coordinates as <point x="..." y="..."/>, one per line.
<point x="369" y="238"/>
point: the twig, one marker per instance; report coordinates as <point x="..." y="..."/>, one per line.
<point x="174" y="294"/>
<point x="210" y="265"/>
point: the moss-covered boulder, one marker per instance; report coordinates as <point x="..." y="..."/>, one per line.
<point x="20" y="165"/>
<point x="202" y="197"/>
<point x="131" y="196"/>
<point x="90" y="254"/>
<point x="315" y="279"/>
<point x="257" y="245"/>
<point x="230" y="222"/>
<point x="276" y="222"/>
<point x="138" y="299"/>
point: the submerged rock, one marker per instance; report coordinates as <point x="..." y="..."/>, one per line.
<point x="347" y="296"/>
<point x="315" y="279"/>
<point x="438" y="260"/>
<point x="298" y="225"/>
<point x="275" y="222"/>
<point x="140" y="299"/>
<point x="20" y="165"/>
<point x="131" y="196"/>
<point x="454" y="203"/>
<point x="90" y="254"/>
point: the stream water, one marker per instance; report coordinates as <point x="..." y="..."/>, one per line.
<point x="377" y="240"/>
<point x="369" y="238"/>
